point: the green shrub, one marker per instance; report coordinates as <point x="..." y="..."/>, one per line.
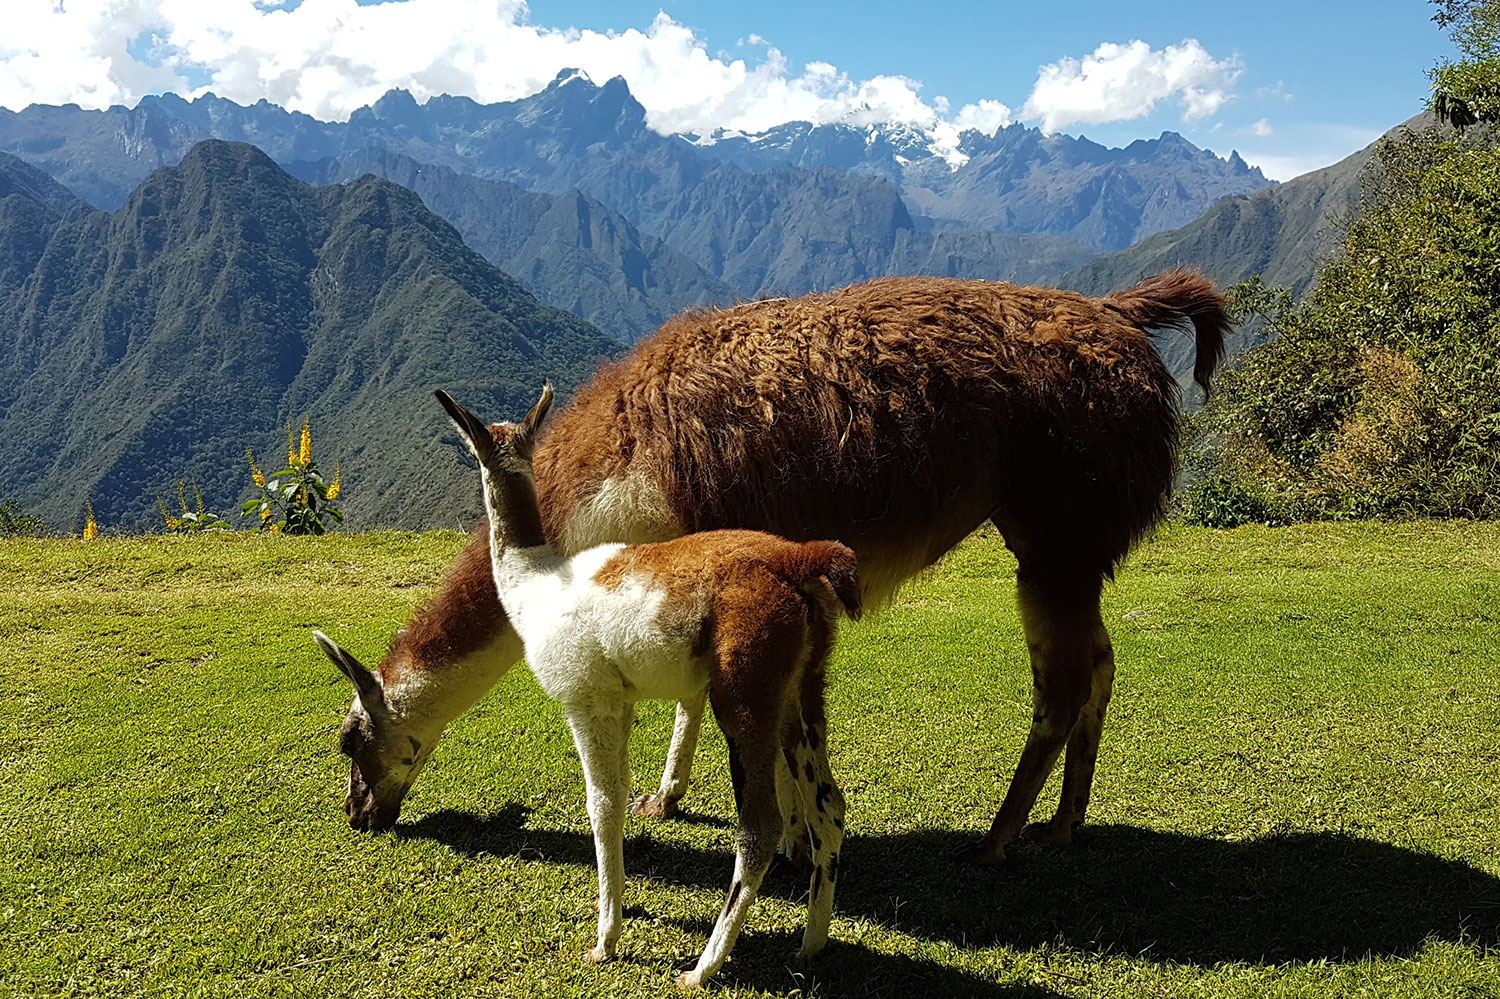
<point x="295" y="500"/>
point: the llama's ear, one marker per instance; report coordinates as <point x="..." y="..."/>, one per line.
<point x="533" y="421"/>
<point x="469" y="426"/>
<point x="366" y="684"/>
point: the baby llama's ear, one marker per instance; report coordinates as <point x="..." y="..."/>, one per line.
<point x="526" y="433"/>
<point x="366" y="683"/>
<point x="473" y="431"/>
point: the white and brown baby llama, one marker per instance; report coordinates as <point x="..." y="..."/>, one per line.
<point x="749" y="617"/>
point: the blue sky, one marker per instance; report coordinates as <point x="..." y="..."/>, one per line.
<point x="1291" y="86"/>
<point x="1325" y="77"/>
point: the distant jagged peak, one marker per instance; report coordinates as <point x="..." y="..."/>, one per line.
<point x="569" y="75"/>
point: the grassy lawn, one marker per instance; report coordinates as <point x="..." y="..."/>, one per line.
<point x="1298" y="792"/>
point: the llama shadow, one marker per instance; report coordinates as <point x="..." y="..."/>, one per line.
<point x="1295" y="897"/>
<point x="1120" y="889"/>
<point x="760" y="960"/>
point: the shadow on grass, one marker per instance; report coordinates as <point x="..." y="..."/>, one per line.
<point x="1119" y="889"/>
<point x="1187" y="899"/>
<point x="761" y="957"/>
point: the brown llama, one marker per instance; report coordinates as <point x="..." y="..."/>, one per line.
<point x="895" y="416"/>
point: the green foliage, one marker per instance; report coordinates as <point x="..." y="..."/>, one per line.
<point x="15" y="524"/>
<point x="1223" y="502"/>
<point x="1467" y="91"/>
<point x="295" y="500"/>
<point x="191" y="519"/>
<point x="1381" y="394"/>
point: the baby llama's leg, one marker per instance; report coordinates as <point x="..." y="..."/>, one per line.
<point x="602" y="741"/>
<point x="825" y="832"/>
<point x="794" y="798"/>
<point x="752" y="767"/>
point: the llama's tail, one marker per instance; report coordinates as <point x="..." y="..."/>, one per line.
<point x="833" y="567"/>
<point x="1176" y="297"/>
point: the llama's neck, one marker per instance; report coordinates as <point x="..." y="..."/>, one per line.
<point x="518" y="547"/>
<point x="515" y="515"/>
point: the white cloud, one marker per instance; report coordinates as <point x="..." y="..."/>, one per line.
<point x="1121" y="82"/>
<point x="329" y="57"/>
<point x="1261" y="128"/>
<point x="1308" y="147"/>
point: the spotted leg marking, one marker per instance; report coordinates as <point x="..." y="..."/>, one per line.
<point x="791" y="792"/>
<point x="825" y="836"/>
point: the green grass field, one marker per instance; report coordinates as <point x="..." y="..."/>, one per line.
<point x="1298" y="792"/>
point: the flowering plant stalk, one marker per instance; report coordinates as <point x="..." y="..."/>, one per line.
<point x="196" y="519"/>
<point x="90" y="525"/>
<point x="296" y="500"/>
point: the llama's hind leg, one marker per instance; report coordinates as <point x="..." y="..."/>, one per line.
<point x="794" y="798"/>
<point x="752" y="768"/>
<point x="674" y="776"/>
<point x="1063" y="632"/>
<point x="824" y="834"/>
<point x="1082" y="754"/>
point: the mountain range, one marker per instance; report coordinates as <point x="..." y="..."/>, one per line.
<point x="1017" y="180"/>
<point x="225" y="299"/>
<point x="782" y="213"/>
<point x="343" y="270"/>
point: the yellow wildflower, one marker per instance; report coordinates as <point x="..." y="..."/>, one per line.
<point x="161" y="505"/>
<point x="265" y="511"/>
<point x="305" y="452"/>
<point x="275" y="528"/>
<point x="256" y="475"/>
<point x="91" y="527"/>
<point x="291" y="446"/>
<point x="333" y="490"/>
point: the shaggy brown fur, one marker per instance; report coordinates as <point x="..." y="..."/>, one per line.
<point x="896" y="416"/>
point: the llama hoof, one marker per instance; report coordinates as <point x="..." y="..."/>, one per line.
<point x="689" y="980"/>
<point x="980" y="853"/>
<point x="656" y="806"/>
<point x="595" y="955"/>
<point x="1046" y="832"/>
<point x="800" y="962"/>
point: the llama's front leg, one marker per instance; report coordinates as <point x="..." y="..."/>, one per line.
<point x="602" y="748"/>
<point x="674" y="777"/>
<point x="752" y="768"/>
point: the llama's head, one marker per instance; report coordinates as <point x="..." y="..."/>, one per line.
<point x="385" y="754"/>
<point x="502" y="448"/>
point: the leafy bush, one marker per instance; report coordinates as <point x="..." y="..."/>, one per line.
<point x="1223" y="502"/>
<point x="295" y="500"/>
<point x="1381" y="395"/>
<point x="15" y="524"/>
